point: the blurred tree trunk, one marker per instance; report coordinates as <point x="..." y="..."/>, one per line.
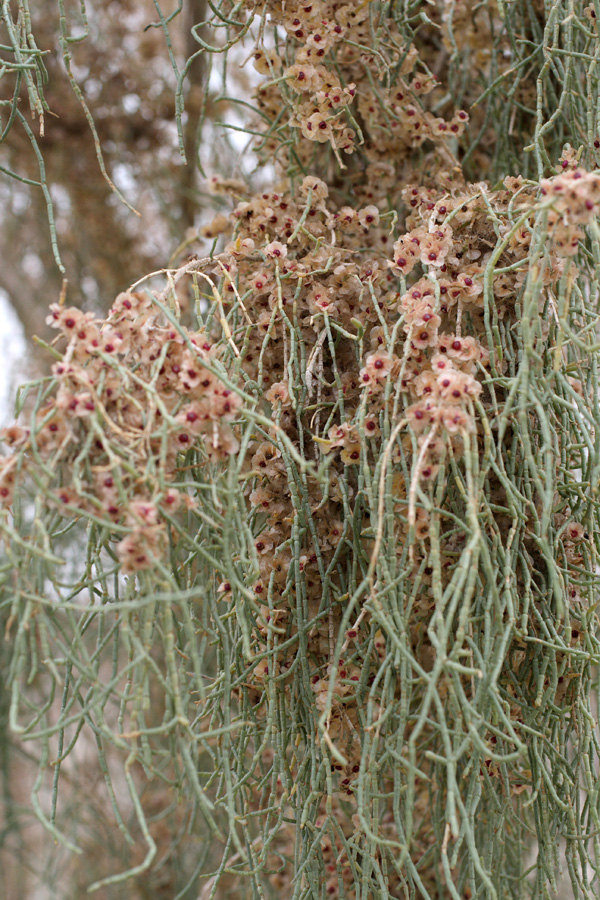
<point x="194" y="12"/>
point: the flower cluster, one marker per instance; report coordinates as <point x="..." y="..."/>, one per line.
<point x="329" y="86"/>
<point x="136" y="392"/>
<point x="575" y="201"/>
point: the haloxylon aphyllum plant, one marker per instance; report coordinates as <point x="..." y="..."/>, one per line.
<point x="323" y="564"/>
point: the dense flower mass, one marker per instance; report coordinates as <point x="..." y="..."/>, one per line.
<point x="381" y="430"/>
<point x="130" y="388"/>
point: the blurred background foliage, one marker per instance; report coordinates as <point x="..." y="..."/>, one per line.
<point x="124" y="57"/>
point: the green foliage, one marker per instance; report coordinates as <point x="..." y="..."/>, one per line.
<point x="340" y="619"/>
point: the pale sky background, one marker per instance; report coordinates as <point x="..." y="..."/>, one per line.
<point x="13" y="359"/>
